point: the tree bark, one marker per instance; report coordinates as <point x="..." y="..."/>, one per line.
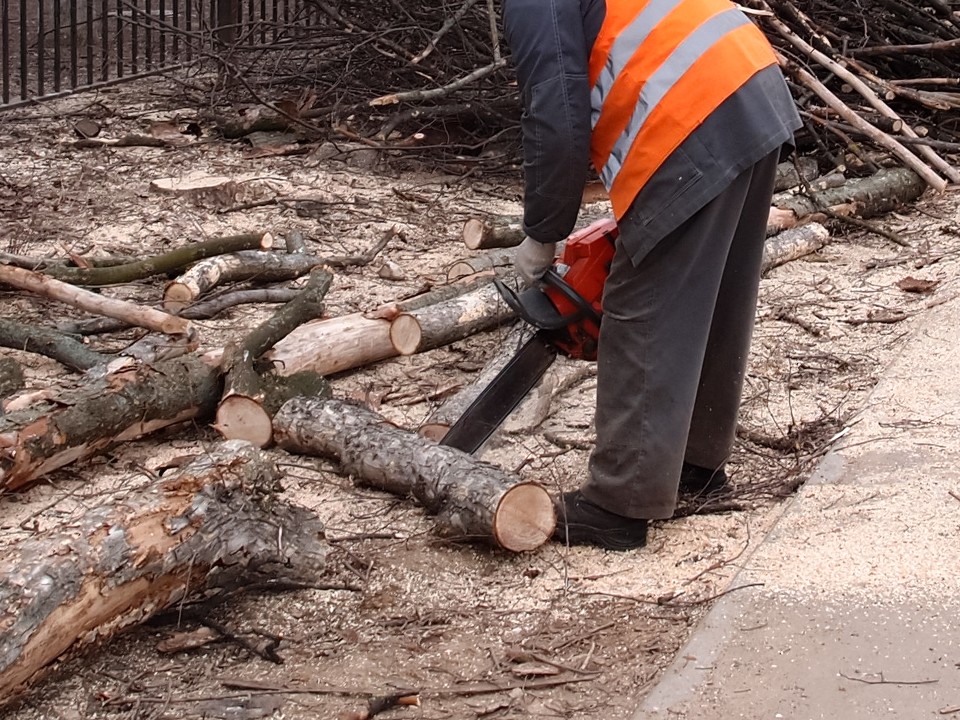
<point x="792" y="244"/>
<point x="213" y="526"/>
<point x="447" y="322"/>
<point x="126" y="402"/>
<point x="50" y="343"/>
<point x="472" y="499"/>
<point x="492" y="260"/>
<point x="350" y="341"/>
<point x="235" y="267"/>
<point x="168" y="262"/>
<point x="132" y="313"/>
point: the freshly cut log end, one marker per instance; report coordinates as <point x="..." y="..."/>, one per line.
<point x="243" y="418"/>
<point x="525" y="518"/>
<point x="471" y="498"/>
<point x="176" y="297"/>
<point x="405" y="334"/>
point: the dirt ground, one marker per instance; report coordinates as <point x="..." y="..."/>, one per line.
<point x="561" y="632"/>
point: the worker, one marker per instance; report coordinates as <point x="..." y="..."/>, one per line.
<point x="684" y="112"/>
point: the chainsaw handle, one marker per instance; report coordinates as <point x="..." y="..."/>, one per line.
<point x="585" y="309"/>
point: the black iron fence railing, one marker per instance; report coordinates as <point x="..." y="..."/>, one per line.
<point x="52" y="47"/>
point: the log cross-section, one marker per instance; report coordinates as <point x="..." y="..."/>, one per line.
<point x="471" y="499"/>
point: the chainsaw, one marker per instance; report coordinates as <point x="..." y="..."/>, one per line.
<point x="566" y="312"/>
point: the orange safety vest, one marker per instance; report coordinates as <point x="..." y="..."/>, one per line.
<point x="658" y="69"/>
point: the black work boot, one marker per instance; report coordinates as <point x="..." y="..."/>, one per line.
<point x="580" y="522"/>
<point x="701" y="481"/>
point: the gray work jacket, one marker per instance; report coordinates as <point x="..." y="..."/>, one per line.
<point x="550" y="43"/>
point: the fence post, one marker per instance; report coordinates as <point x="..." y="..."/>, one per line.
<point x="228" y="16"/>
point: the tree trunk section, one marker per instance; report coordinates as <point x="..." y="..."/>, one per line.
<point x="493" y="260"/>
<point x="447" y="322"/>
<point x="250" y="400"/>
<point x="870" y="196"/>
<point x="792" y="244"/>
<point x="497" y="233"/>
<point x="471" y="499"/>
<point x="125" y="403"/>
<point x="342" y="343"/>
<point x="250" y="264"/>
<point x="331" y="346"/>
<point x="211" y="526"/>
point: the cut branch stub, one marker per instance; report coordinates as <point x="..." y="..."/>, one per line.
<point x="486" y="234"/>
<point x="471" y="499"/>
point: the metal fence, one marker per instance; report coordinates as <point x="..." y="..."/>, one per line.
<point x="52" y="47"/>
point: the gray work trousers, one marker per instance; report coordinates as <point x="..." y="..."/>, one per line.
<point x="674" y="344"/>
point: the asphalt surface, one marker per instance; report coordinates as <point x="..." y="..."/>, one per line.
<point x="848" y="608"/>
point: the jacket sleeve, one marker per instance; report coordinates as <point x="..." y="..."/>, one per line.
<point x="550" y="53"/>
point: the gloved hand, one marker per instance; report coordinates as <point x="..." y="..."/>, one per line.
<point x="533" y="260"/>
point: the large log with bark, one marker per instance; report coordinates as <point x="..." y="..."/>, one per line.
<point x="471" y="499"/>
<point x="214" y="525"/>
<point x="441" y="324"/>
<point x="124" y="403"/>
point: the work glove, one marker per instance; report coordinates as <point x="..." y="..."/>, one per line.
<point x="533" y="260"/>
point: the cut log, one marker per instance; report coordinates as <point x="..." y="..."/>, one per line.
<point x="863" y="197"/>
<point x="138" y="315"/>
<point x="49" y="343"/>
<point x="250" y="400"/>
<point x="246" y="265"/>
<point x="342" y="343"/>
<point x="214" y="526"/>
<point x="128" y="401"/>
<point x="471" y="499"/>
<point x="792" y="244"/>
<point x="496" y="233"/>
<point x="447" y="322"/>
<point x="493" y="260"/>
<point x="334" y="345"/>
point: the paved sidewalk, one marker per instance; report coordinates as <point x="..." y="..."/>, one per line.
<point x="859" y="612"/>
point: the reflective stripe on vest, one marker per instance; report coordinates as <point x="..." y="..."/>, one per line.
<point x="658" y="69"/>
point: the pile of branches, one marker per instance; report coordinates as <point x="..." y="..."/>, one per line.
<point x="873" y="80"/>
<point x="877" y="82"/>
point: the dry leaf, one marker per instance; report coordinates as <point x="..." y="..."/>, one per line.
<point x="916" y="285"/>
